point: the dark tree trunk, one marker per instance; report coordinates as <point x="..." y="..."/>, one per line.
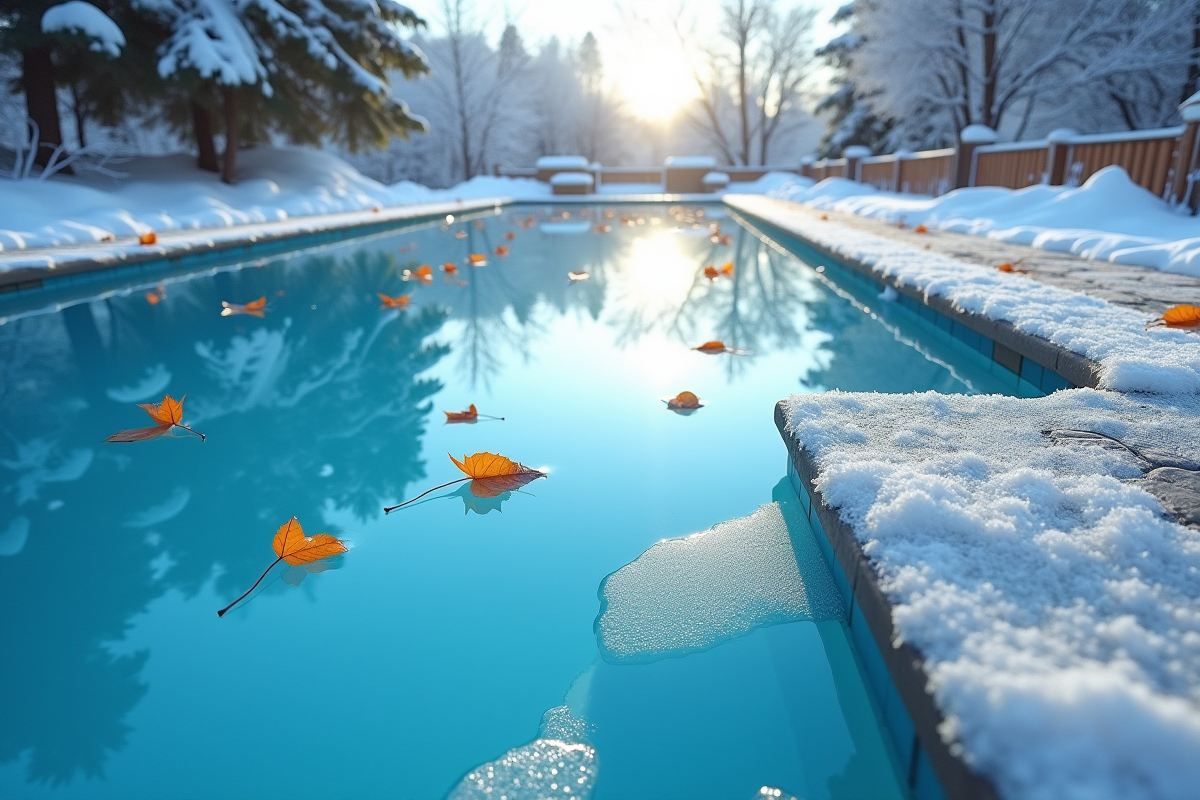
<point x="41" y="101"/>
<point x="229" y="162"/>
<point x="202" y="129"/>
<point x="80" y="115"/>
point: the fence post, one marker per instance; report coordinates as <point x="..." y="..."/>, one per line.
<point x="1058" y="147"/>
<point x="854" y="154"/>
<point x="1187" y="159"/>
<point x="806" y="163"/>
<point x="968" y="139"/>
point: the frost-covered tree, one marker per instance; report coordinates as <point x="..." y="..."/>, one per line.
<point x="752" y="77"/>
<point x="851" y="119"/>
<point x="603" y="123"/>
<point x="937" y="66"/>
<point x="309" y="70"/>
<point x="46" y="34"/>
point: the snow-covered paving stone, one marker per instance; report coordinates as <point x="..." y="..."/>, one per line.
<point x="1057" y="607"/>
<point x="1130" y="357"/>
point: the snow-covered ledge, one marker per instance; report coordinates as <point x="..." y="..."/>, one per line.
<point x="1128" y="357"/>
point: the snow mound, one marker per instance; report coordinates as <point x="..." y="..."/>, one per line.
<point x="76" y="16"/>
<point x="686" y="595"/>
<point x="1131" y="358"/>
<point x="557" y="764"/>
<point x="1108" y="218"/>
<point x="1058" y="610"/>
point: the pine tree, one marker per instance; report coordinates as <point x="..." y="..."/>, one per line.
<point x="851" y="119"/>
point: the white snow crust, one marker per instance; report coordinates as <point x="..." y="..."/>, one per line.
<point x="686" y="595"/>
<point x="1109" y="218"/>
<point x="1057" y="609"/>
<point x="76" y="16"/>
<point x="690" y="162"/>
<point x="571" y="179"/>
<point x="1131" y="358"/>
<point x="562" y="162"/>
<point x="977" y="134"/>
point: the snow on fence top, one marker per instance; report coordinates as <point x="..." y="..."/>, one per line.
<point x="1057" y="610"/>
<point x="695" y="162"/>
<point x="1126" y="136"/>
<point x="562" y="162"/>
<point x="715" y="178"/>
<point x="977" y="134"/>
<point x="571" y="179"/>
<point x="1013" y="147"/>
<point x="857" y="151"/>
<point x="77" y="16"/>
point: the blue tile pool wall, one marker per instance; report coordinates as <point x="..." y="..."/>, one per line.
<point x="1030" y="379"/>
<point x="915" y="765"/>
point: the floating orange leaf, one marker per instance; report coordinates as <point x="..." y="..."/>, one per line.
<point x="727" y="269"/>
<point x="603" y="229"/>
<point x="575" y="277"/>
<point x="394" y="302"/>
<point x="509" y="236"/>
<point x="716" y="347"/>
<point x="293" y="547"/>
<point x="501" y="251"/>
<point x="167" y="415"/>
<point x="490" y="474"/>
<point x="148" y="238"/>
<point x="684" y="401"/>
<point x="152" y="298"/>
<point x="159" y="294"/>
<point x="471" y="415"/>
<point x="449" y="268"/>
<point x="255" y="308"/>
<point x="423" y="273"/>
<point x="477" y="259"/>
<point x="712" y="273"/>
<point x="1180" y="316"/>
<point x="460" y="235"/>
<point x="921" y="229"/>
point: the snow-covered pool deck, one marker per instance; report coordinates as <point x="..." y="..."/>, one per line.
<point x="1023" y="573"/>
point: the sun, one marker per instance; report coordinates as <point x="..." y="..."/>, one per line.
<point x="654" y="79"/>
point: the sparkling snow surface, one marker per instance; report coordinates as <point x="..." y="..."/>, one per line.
<point x="1057" y="609"/>
<point x="1131" y="358"/>
<point x="689" y="594"/>
<point x="1109" y="218"/>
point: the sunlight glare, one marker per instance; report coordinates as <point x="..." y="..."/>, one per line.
<point x="654" y="79"/>
<point x="659" y="273"/>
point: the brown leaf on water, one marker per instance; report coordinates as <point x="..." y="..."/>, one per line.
<point x="400" y="302"/>
<point x="716" y="347"/>
<point x="501" y="251"/>
<point x="152" y="298"/>
<point x="490" y="474"/>
<point x="293" y="547"/>
<point x="167" y="415"/>
<point x="1180" y="316"/>
<point x="727" y="269"/>
<point x="470" y="415"/>
<point x="450" y="268"/>
<point x="460" y="235"/>
<point x="684" y="400"/>
<point x="477" y="259"/>
<point x="255" y="308"/>
<point x="712" y="273"/>
<point x="509" y="236"/>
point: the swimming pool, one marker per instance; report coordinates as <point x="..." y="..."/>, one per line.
<point x="461" y="643"/>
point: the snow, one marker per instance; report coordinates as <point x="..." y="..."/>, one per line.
<point x="690" y="162"/>
<point x="686" y="595"/>
<point x="716" y="178"/>
<point x="856" y="151"/>
<point x="1131" y="358"/>
<point x="168" y="193"/>
<point x="1057" y="610"/>
<point x="211" y="38"/>
<point x="1190" y="110"/>
<point x="977" y="134"/>
<point x="77" y="16"/>
<point x="571" y="179"/>
<point x="562" y="162"/>
<point x="1109" y="218"/>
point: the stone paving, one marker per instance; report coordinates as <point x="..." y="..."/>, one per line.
<point x="1140" y="288"/>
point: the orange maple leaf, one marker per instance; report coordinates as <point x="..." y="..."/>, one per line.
<point x="1180" y="316"/>
<point x="293" y="547"/>
<point x="490" y="474"/>
<point x="501" y="251"/>
<point x="712" y="273"/>
<point x="477" y="259"/>
<point x="450" y="268"/>
<point x="167" y="415"/>
<point x="470" y="415"/>
<point x="683" y="401"/>
<point x="255" y="308"/>
<point x="423" y="273"/>
<point x="728" y="269"/>
<point x="148" y="238"/>
<point x="716" y="347"/>
<point x="394" y="302"/>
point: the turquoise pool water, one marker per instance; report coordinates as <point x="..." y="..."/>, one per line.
<point x="460" y="629"/>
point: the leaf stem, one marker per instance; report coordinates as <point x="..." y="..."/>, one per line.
<point x="489" y="416"/>
<point x="221" y="613"/>
<point x="189" y="430"/>
<point x="390" y="509"/>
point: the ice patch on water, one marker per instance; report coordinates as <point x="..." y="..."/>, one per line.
<point x="558" y="764"/>
<point x="12" y="541"/>
<point x="689" y="594"/>
<point x="155" y="382"/>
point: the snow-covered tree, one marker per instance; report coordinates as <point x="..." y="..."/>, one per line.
<point x="937" y="66"/>
<point x="752" y="78"/>
<point x="310" y="70"/>
<point x="603" y="123"/>
<point x="851" y="120"/>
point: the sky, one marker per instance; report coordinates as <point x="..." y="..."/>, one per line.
<point x="643" y="59"/>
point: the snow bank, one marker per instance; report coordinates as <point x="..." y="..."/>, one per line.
<point x="1109" y="218"/>
<point x="1131" y="358"/>
<point x="686" y="595"/>
<point x="169" y="193"/>
<point x="571" y="179"/>
<point x="1056" y="607"/>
